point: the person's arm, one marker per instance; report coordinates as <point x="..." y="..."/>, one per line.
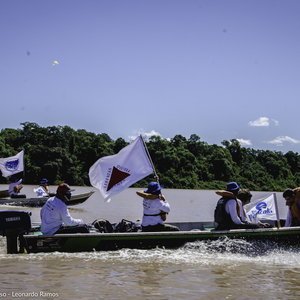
<point x="223" y="193"/>
<point x="288" y="221"/>
<point x="17" y="188"/>
<point x="297" y="193"/>
<point x="165" y="206"/>
<point x="243" y="217"/>
<point x="150" y="196"/>
<point x="67" y="219"/>
<point x="46" y="189"/>
<point x="231" y="205"/>
<point x="147" y="195"/>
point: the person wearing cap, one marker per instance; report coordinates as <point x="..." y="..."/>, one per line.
<point x="43" y="189"/>
<point x="227" y="212"/>
<point x="55" y="215"/>
<point x="292" y="198"/>
<point x="15" y="187"/>
<point x="156" y="207"/>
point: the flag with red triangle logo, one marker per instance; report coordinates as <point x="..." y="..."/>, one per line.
<point x="113" y="174"/>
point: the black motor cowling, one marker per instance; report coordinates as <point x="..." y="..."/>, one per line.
<point x="14" y="224"/>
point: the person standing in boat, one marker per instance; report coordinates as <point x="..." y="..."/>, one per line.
<point x="156" y="208"/>
<point x="15" y="187"/>
<point x="292" y="198"/>
<point x="55" y="215"/>
<point x="227" y="212"/>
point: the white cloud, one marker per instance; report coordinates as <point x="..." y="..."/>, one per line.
<point x="263" y="121"/>
<point x="281" y="139"/>
<point x="144" y="134"/>
<point x="276" y="123"/>
<point x="244" y="142"/>
<point x="151" y="133"/>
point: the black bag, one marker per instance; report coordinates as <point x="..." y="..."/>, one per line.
<point x="103" y="226"/>
<point x="125" y="226"/>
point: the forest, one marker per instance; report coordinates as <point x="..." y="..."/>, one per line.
<point x="62" y="154"/>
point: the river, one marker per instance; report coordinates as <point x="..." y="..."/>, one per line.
<point x="201" y="270"/>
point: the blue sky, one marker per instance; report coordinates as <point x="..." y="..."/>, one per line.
<point x="219" y="69"/>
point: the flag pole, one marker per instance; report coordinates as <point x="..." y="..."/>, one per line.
<point x="276" y="209"/>
<point x="155" y="174"/>
<point x="24" y="165"/>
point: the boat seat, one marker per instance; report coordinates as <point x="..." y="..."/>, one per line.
<point x="209" y="228"/>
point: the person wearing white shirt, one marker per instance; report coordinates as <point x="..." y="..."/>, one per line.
<point x="156" y="208"/>
<point x="227" y="214"/>
<point x="43" y="189"/>
<point x="55" y="215"/>
<point x="15" y="187"/>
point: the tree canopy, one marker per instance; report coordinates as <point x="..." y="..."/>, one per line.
<point x="62" y="154"/>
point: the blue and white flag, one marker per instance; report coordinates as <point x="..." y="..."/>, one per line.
<point x="41" y="192"/>
<point x="262" y="209"/>
<point x="12" y="165"/>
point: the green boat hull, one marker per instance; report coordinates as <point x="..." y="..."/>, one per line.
<point x="139" y="240"/>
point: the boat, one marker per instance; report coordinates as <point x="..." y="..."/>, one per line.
<point x="23" y="237"/>
<point x="4" y="194"/>
<point x="39" y="202"/>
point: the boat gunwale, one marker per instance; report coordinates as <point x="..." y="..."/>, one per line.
<point x="40" y="201"/>
<point x="45" y="198"/>
<point x="233" y="232"/>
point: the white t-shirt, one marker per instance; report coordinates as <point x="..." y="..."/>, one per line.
<point x="54" y="214"/>
<point x="154" y="207"/>
<point x="11" y="187"/>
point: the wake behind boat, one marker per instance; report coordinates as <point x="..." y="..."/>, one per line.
<point x="39" y="202"/>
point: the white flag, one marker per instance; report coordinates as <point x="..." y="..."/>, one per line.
<point x="12" y="165"/>
<point x="40" y="192"/>
<point x="113" y="174"/>
<point x="262" y="209"/>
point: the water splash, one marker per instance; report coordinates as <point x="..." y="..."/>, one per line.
<point x="224" y="251"/>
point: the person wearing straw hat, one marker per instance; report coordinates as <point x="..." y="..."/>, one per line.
<point x="156" y="208"/>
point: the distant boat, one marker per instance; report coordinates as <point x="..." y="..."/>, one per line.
<point x="4" y="194"/>
<point x="39" y="202"/>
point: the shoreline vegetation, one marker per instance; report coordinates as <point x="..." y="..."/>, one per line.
<point x="62" y="154"/>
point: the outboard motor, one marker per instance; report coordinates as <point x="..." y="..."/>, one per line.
<point x="13" y="224"/>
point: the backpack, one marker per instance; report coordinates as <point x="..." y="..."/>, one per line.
<point x="126" y="226"/>
<point x="103" y="226"/>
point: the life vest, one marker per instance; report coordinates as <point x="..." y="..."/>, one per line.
<point x="222" y="217"/>
<point x="295" y="209"/>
